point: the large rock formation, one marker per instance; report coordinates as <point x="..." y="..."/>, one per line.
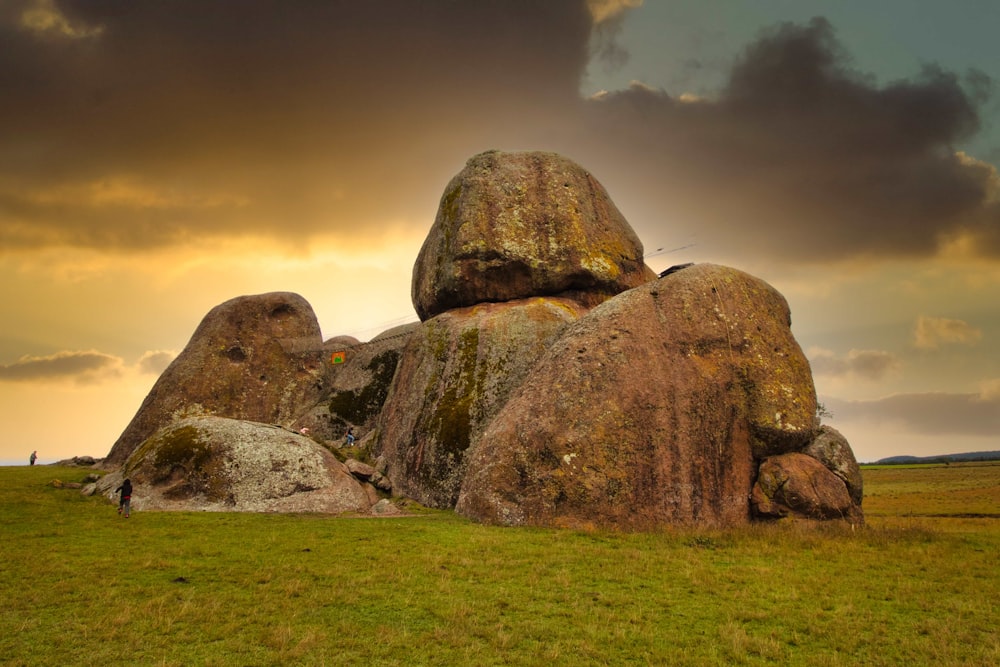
<point x="667" y="394"/>
<point x="257" y="358"/>
<point x="216" y="464"/>
<point x="552" y="381"/>
<point x="515" y="225"/>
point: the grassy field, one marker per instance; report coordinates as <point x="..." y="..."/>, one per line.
<point x="918" y="585"/>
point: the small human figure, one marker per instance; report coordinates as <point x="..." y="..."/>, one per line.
<point x="125" y="499"/>
<point x="350" y="436"/>
<point x="33" y="457"/>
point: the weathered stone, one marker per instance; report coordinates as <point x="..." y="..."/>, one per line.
<point x="216" y="464"/>
<point x="831" y="449"/>
<point x="649" y="410"/>
<point x="78" y="461"/>
<point x="457" y="371"/>
<point x="256" y="358"/>
<point x="356" y="387"/>
<point x="797" y="485"/>
<point x="517" y="225"/>
<point x="384" y="507"/>
<point x="362" y="471"/>
<point x="381" y="482"/>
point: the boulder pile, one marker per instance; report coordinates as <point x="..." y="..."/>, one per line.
<point x="553" y="380"/>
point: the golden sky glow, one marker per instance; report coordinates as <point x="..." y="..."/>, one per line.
<point x="158" y="161"/>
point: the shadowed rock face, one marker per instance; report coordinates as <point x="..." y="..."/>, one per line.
<point x="516" y="225"/>
<point x="651" y="409"/>
<point x="215" y="464"/>
<point x="357" y="387"/>
<point x="458" y="369"/>
<point x="257" y="358"/>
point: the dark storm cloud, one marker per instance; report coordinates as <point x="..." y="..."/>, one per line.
<point x="929" y="414"/>
<point x="130" y="124"/>
<point x="82" y="367"/>
<point x="802" y="156"/>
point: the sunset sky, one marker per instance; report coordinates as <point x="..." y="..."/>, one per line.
<point x="159" y="158"/>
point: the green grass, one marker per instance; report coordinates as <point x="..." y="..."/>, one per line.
<point x="941" y="490"/>
<point x="79" y="585"/>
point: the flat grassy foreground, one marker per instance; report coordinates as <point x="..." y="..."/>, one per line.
<point x="918" y="586"/>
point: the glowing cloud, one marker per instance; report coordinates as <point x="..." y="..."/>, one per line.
<point x="43" y="16"/>
<point x="866" y="364"/>
<point x="989" y="390"/>
<point x="930" y="333"/>
<point x="155" y="361"/>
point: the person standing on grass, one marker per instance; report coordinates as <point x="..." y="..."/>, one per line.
<point x="33" y="457"/>
<point x="350" y="436"/>
<point x="125" y="499"/>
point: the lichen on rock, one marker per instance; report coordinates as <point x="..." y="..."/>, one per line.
<point x="218" y="464"/>
<point x="517" y="225"/>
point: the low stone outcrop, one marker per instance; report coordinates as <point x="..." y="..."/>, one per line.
<point x="79" y="461"/>
<point x="217" y="464"/>
<point x="457" y="371"/>
<point x="831" y="448"/>
<point x="651" y="409"/>
<point x="517" y="225"/>
<point x="798" y="485"/>
<point x="256" y="358"/>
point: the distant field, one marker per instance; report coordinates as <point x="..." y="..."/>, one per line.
<point x="917" y="586"/>
<point x="933" y="490"/>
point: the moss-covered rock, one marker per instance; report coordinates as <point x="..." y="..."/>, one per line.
<point x="456" y="372"/>
<point x="356" y="388"/>
<point x="516" y="225"/>
<point x="217" y="464"/>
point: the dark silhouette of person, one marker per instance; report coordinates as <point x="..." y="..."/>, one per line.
<point x="125" y="499"/>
